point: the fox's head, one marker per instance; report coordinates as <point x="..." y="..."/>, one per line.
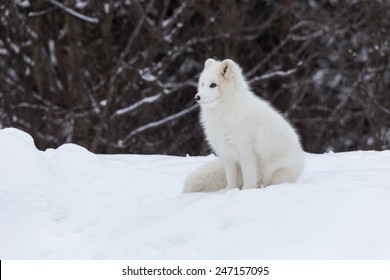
<point x="217" y="80"/>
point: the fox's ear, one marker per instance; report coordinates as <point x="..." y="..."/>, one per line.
<point x="227" y="69"/>
<point x="208" y="62"/>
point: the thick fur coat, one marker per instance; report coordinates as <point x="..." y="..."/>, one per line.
<point x="256" y="146"/>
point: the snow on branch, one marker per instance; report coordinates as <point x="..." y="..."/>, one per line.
<point x="274" y="74"/>
<point x="74" y="13"/>
<point x="171" y="20"/>
<point x="149" y="99"/>
<point x="157" y="123"/>
<point x="169" y="89"/>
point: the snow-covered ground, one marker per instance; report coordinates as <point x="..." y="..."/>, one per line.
<point x="68" y="203"/>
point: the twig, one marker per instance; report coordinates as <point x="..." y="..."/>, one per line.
<point x="74" y="13"/>
<point x="158" y="123"/>
<point x="271" y="75"/>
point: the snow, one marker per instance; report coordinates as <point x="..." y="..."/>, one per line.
<point x="52" y="52"/>
<point x="81" y="4"/>
<point x="68" y="203"/>
<point x="106" y="8"/>
<point x="146" y="75"/>
<point x="23" y="3"/>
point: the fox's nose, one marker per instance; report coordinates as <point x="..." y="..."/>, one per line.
<point x="197" y="98"/>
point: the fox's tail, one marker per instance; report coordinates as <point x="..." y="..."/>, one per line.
<point x="209" y="177"/>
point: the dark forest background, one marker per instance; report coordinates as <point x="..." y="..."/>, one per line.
<point x="120" y="76"/>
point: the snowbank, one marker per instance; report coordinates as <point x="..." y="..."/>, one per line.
<point x="69" y="203"/>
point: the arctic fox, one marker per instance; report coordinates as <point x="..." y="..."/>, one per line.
<point x="255" y="145"/>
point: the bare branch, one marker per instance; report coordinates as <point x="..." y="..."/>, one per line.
<point x="157" y="123"/>
<point x="271" y="75"/>
<point x="74" y="13"/>
<point x="132" y="107"/>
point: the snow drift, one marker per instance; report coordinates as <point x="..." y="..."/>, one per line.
<point x="68" y="203"/>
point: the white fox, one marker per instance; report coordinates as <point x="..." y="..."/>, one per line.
<point x="256" y="146"/>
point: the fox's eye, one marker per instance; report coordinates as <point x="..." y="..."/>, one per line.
<point x="213" y="85"/>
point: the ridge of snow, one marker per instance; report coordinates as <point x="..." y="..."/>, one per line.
<point x="68" y="203"/>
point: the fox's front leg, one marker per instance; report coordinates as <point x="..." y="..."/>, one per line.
<point x="249" y="167"/>
<point x="233" y="176"/>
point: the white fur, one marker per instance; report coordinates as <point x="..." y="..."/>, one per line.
<point x="255" y="144"/>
